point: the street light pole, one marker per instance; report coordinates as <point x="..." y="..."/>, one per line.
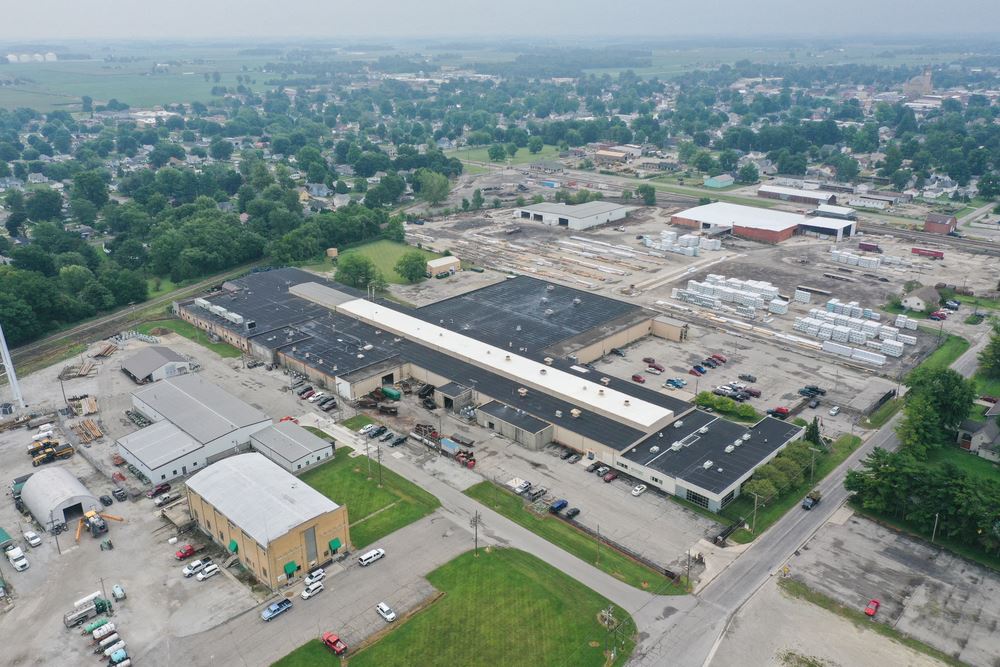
<point x="378" y="449"/>
<point x="474" y="522"/>
<point x="753" y="524"/>
<point x="934" y="532"/>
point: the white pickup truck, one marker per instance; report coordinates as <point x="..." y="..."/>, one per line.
<point x="17" y="558"/>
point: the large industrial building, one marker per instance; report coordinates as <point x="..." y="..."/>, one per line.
<point x="292" y="447"/>
<point x="518" y="351"/>
<point x="195" y="423"/>
<point x="761" y="224"/>
<point x="278" y="526"/>
<point x="573" y="216"/>
<point x="155" y="363"/>
<point x="54" y="496"/>
<point x="797" y="195"/>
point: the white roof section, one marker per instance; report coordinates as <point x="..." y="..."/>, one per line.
<point x="290" y="441"/>
<point x="50" y="491"/>
<point x="442" y="261"/>
<point x="724" y="214"/>
<point x="158" y="444"/>
<point x="835" y="210"/>
<point x="575" y="211"/>
<point x="585" y="394"/>
<point x="146" y="361"/>
<point x="818" y="195"/>
<point x="259" y="496"/>
<point x="829" y="223"/>
<point x="199" y="408"/>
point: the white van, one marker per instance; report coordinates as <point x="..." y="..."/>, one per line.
<point x="371" y="556"/>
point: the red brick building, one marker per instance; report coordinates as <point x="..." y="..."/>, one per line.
<point x="936" y="223"/>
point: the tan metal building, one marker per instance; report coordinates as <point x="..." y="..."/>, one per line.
<point x="449" y="263"/>
<point x="277" y="525"/>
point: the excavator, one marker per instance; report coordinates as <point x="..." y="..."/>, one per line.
<point x="95" y="523"/>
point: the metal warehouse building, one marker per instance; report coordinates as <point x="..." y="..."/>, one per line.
<point x="55" y="496"/>
<point x="579" y="216"/>
<point x="814" y="197"/>
<point x="291" y="446"/>
<point x="196" y="423"/>
<point x="760" y="224"/>
<point x="276" y="525"/>
<point x="155" y="363"/>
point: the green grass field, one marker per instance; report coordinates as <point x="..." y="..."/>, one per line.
<point x="883" y="414"/>
<point x="975" y="466"/>
<point x="191" y="332"/>
<point x="523" y="155"/>
<point x="374" y="511"/>
<point x="503" y="607"/>
<point x="576" y="542"/>
<point x="769" y="513"/>
<point x="952" y="348"/>
<point x="357" y="421"/>
<point x="385" y="254"/>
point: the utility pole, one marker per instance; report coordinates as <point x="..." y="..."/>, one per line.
<point x="934" y="532"/>
<point x="688" y="582"/>
<point x="368" y="454"/>
<point x="598" y="544"/>
<point x="753" y="524"/>
<point x="55" y="533"/>
<point x="378" y="449"/>
<point x="103" y="592"/>
<point x="474" y="522"/>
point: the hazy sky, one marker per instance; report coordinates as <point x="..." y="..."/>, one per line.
<point x="144" y="19"/>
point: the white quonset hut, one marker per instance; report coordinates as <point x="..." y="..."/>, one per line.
<point x="579" y="216"/>
<point x="155" y="363"/>
<point x="291" y="446"/>
<point x="55" y="496"/>
<point x="196" y="423"/>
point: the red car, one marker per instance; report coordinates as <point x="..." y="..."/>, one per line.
<point x="719" y="358"/>
<point x="187" y="551"/>
<point x="649" y="360"/>
<point x="657" y="366"/>
<point x="872" y="607"/>
<point x="638" y="378"/>
<point x="694" y="373"/>
<point x="610" y="477"/>
<point x="158" y="490"/>
<point x="333" y="642"/>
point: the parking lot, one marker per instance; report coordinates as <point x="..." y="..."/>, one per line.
<point x="925" y="592"/>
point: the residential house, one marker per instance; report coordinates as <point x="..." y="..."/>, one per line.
<point x="980" y="438"/>
<point x="720" y="181"/>
<point x="925" y="299"/>
<point x="317" y="190"/>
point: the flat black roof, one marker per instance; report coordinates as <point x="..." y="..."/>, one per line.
<point x="452" y="389"/>
<point x="518" y="418"/>
<point x="340" y="345"/>
<point x="697" y="447"/>
<point x="514" y="314"/>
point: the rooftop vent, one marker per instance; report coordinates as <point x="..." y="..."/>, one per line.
<point x="654" y="449"/>
<point x="549" y="311"/>
<point x="361" y="356"/>
<point x="718" y="469"/>
<point x="550" y="287"/>
<point x="706" y="465"/>
<point x="576" y="301"/>
<point x="558" y="413"/>
<point x="522" y="392"/>
<point x="517" y="328"/>
<point x="368" y="347"/>
<point x="730" y="449"/>
<point x="678" y="423"/>
<point x="627" y="402"/>
<point x="548" y="361"/>
<point x="676" y="446"/>
<point x="746" y="436"/>
<point x="576" y="413"/>
<point x="507" y="358"/>
<point x="600" y="392"/>
<point x="703" y="430"/>
<point x="542" y="371"/>
<point x="605" y="381"/>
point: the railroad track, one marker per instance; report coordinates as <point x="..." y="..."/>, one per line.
<point x="938" y="240"/>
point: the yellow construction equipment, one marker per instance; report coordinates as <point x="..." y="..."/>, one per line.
<point x="95" y="523"/>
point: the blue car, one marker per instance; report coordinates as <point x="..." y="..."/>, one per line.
<point x="558" y="506"/>
<point x="701" y="369"/>
<point x="276" y="609"/>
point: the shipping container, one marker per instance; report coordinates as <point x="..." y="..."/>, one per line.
<point x="924" y="252"/>
<point x="869" y="247"/>
<point x="391" y="392"/>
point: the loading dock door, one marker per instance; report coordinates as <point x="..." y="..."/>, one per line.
<point x="564" y="222"/>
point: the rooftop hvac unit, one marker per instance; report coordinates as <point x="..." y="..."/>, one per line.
<point x="558" y="413"/>
<point x="548" y="361"/>
<point x="202" y="303"/>
<point x="706" y="465"/>
<point x="737" y="442"/>
<point x="507" y="358"/>
<point x="576" y="301"/>
<point x="576" y="413"/>
<point x="730" y="449"/>
<point x="678" y="423"/>
<point x="746" y="436"/>
<point x="703" y="430"/>
<point x="522" y="392"/>
<point x="605" y="381"/>
<point x="676" y="446"/>
<point x="654" y="449"/>
<point x="517" y="328"/>
<point x="627" y="402"/>
<point x="368" y="347"/>
<point x="600" y="392"/>
<point x="549" y="311"/>
<point x="542" y="371"/>
<point x="550" y="287"/>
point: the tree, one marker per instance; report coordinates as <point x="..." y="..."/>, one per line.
<point x="812" y="432"/>
<point x="748" y="173"/>
<point x="989" y="185"/>
<point x="647" y="193"/>
<point x="510" y="149"/>
<point x="728" y="160"/>
<point x="919" y="429"/>
<point x="33" y="258"/>
<point x="496" y="153"/>
<point x="762" y="488"/>
<point x="15" y="205"/>
<point x="950" y="394"/>
<point x="44" y="204"/>
<point x="412" y="266"/>
<point x="434" y="187"/>
<point x="477" y="199"/>
<point x="535" y="145"/>
<point x="989" y="357"/>
<point x="87" y="103"/>
<point x="91" y="186"/>
<point x="220" y="149"/>
<point x="355" y="270"/>
<point x="394" y="231"/>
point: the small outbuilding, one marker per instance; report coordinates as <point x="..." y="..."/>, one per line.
<point x="155" y="363"/>
<point x="935" y="223"/>
<point x="448" y="264"/>
<point x="55" y="496"/>
<point x="922" y="300"/>
<point x="291" y="446"/>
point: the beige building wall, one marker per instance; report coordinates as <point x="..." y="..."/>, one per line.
<point x="267" y="562"/>
<point x="671" y="329"/>
<point x="621" y="338"/>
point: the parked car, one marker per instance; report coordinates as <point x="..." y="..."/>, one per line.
<point x="593" y="466"/>
<point x="872" y="607"/>
<point x="319" y="574"/>
<point x="618" y="352"/>
<point x="398" y="441"/>
<point x="537" y="493"/>
<point x="657" y="366"/>
<point x="574" y="458"/>
<point x="117" y="592"/>
<point x="572" y="512"/>
<point x="952" y="305"/>
<point x="720" y="357"/>
<point x="365" y="429"/>
<point x="32" y="538"/>
<point x="710" y="362"/>
<point x="210" y="571"/>
<point x="814" y="403"/>
<point x="610" y="477"/>
<point x="638" y="378"/>
<point x="386" y="612"/>
<point x="389" y="435"/>
<point x="653" y="371"/>
<point x="558" y="506"/>
<point x="834" y="411"/>
<point x="165" y="498"/>
<point x="700" y="369"/>
<point x="639" y="490"/>
<point x="813" y="388"/>
<point x="196" y="566"/>
<point x="753" y="391"/>
<point x="429" y="404"/>
<point x="119" y="493"/>
<point x="370" y="557"/>
<point x="748" y="377"/>
<point x="695" y="372"/>
<point x="334" y="643"/>
<point x="158" y="489"/>
<point x="377" y="432"/>
<point x="318" y="395"/>
<point x="107" y="501"/>
<point x="307" y="393"/>
<point x="935" y="317"/>
<point x="312" y="589"/>
<point x="648" y="360"/>
<point x="276" y="609"/>
<point x="602" y="471"/>
<point x="566" y="454"/>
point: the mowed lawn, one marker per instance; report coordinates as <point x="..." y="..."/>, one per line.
<point x="523" y="155"/>
<point x="575" y="541"/>
<point x="191" y="332"/>
<point x="374" y="511"/>
<point x="385" y="254"/>
<point x="504" y="607"/>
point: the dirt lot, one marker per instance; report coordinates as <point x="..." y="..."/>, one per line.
<point x="925" y="592"/>
<point x="772" y="624"/>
